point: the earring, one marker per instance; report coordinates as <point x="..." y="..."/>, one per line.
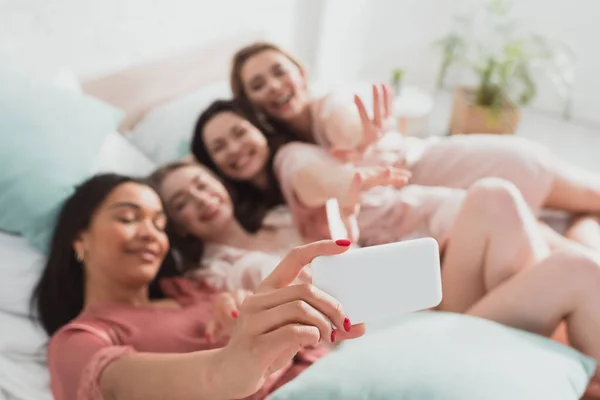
<point x="79" y="256"/>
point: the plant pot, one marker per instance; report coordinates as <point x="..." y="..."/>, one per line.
<point x="467" y="117"/>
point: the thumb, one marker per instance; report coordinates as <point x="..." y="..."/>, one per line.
<point x="282" y="344"/>
<point x="283" y="358"/>
<point x="211" y="331"/>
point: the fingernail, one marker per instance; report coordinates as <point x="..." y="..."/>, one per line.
<point x="333" y="336"/>
<point x="343" y="242"/>
<point x="234" y="314"/>
<point x="347" y="324"/>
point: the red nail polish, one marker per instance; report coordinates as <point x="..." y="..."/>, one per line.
<point x="234" y="314"/>
<point x="343" y="242"/>
<point x="333" y="333"/>
<point x="347" y="324"/>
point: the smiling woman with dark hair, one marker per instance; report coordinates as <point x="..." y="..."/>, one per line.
<point x="63" y="279"/>
<point x="253" y="187"/>
<point x="111" y="339"/>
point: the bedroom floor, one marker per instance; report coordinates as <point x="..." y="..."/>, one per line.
<point x="572" y="141"/>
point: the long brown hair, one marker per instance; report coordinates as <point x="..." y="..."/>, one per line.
<point x="269" y="125"/>
<point x="58" y="296"/>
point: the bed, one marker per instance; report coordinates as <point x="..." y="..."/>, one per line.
<point x="22" y="370"/>
<point x="159" y="99"/>
<point x="23" y="374"/>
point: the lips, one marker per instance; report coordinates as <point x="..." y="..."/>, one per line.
<point x="282" y="101"/>
<point x="147" y="254"/>
<point x="243" y="159"/>
<point x="210" y="209"/>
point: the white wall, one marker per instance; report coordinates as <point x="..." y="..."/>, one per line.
<point x="339" y="40"/>
<point x="367" y="39"/>
<point x="401" y="34"/>
<point x="308" y="21"/>
<point x="96" y="36"/>
<point x="577" y="24"/>
<point x="338" y="56"/>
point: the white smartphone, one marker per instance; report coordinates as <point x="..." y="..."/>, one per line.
<point x="378" y="282"/>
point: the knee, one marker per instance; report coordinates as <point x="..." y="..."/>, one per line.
<point x="494" y="188"/>
<point x="494" y="194"/>
<point x="580" y="268"/>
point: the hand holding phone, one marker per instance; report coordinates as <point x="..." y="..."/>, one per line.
<point x="378" y="282"/>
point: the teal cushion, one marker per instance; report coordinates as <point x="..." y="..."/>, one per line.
<point x="184" y="148"/>
<point x="48" y="140"/>
<point x="444" y="356"/>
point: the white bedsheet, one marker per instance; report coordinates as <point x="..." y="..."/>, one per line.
<point x="20" y="268"/>
<point x="23" y="372"/>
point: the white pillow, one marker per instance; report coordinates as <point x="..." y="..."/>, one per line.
<point x="165" y="133"/>
<point x="65" y="79"/>
<point x="20" y="268"/>
<point x="119" y="156"/>
<point x="21" y="264"/>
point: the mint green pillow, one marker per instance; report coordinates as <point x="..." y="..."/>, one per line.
<point x="184" y="148"/>
<point x="443" y="356"/>
<point x="48" y="139"/>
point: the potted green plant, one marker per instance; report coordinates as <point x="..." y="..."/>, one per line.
<point x="397" y="77"/>
<point x="503" y="65"/>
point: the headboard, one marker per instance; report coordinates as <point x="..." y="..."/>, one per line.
<point x="139" y="88"/>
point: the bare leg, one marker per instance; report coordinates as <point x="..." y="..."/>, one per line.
<point x="556" y="241"/>
<point x="494" y="237"/>
<point x="585" y="230"/>
<point x="575" y="189"/>
<point x="565" y="285"/>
